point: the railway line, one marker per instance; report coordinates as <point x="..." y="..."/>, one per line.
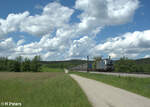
<point x="140" y="75"/>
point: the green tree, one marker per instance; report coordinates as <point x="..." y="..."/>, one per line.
<point x="35" y="64"/>
<point x="125" y="65"/>
<point x="11" y="65"/>
<point x="3" y="63"/>
<point x="15" y="65"/>
<point x="26" y="65"/>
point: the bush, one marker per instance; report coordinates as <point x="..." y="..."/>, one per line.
<point x="35" y="64"/>
<point x="127" y="65"/>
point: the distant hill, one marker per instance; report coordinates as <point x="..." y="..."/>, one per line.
<point x="139" y="61"/>
<point x="63" y="64"/>
<point x="143" y="61"/>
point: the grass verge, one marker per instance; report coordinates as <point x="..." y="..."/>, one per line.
<point x="140" y="86"/>
<point x="44" y="89"/>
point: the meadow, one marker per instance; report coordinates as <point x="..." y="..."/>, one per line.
<point x="41" y="89"/>
<point x="136" y="85"/>
<point x="48" y="69"/>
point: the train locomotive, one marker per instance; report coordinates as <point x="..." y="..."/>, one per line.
<point x="104" y="65"/>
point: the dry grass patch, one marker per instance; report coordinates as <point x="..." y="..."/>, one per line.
<point x="43" y="89"/>
<point x="29" y="75"/>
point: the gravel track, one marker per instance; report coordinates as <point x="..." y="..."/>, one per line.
<point x="103" y="95"/>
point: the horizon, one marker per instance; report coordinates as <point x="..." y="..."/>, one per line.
<point x="60" y="30"/>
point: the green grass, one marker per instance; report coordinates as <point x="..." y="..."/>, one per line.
<point x="43" y="89"/>
<point x="137" y="85"/>
<point x="48" y="69"/>
<point x="63" y="64"/>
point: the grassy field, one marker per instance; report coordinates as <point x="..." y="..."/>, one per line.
<point x="43" y="89"/>
<point x="137" y="85"/>
<point x="48" y="69"/>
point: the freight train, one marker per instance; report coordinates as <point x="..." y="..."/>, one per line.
<point x="104" y="65"/>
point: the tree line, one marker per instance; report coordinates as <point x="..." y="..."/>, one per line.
<point x="20" y="64"/>
<point x="125" y="64"/>
<point x="128" y="65"/>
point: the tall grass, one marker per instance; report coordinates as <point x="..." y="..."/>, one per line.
<point x="52" y="89"/>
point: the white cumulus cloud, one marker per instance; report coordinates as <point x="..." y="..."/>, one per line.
<point x="99" y="13"/>
<point x="53" y="16"/>
<point x="74" y="40"/>
<point x="12" y="23"/>
<point x="129" y="44"/>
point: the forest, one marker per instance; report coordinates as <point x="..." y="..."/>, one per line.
<point x="20" y="64"/>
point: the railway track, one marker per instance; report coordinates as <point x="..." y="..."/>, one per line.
<point x="140" y="75"/>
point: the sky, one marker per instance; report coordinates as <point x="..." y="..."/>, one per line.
<point x="75" y="29"/>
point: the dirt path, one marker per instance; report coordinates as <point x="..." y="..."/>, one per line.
<point x="103" y="95"/>
<point x="66" y="71"/>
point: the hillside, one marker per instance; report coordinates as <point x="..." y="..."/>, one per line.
<point x="63" y="64"/>
<point x="143" y="61"/>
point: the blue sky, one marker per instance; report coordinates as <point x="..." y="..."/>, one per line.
<point x="70" y="29"/>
